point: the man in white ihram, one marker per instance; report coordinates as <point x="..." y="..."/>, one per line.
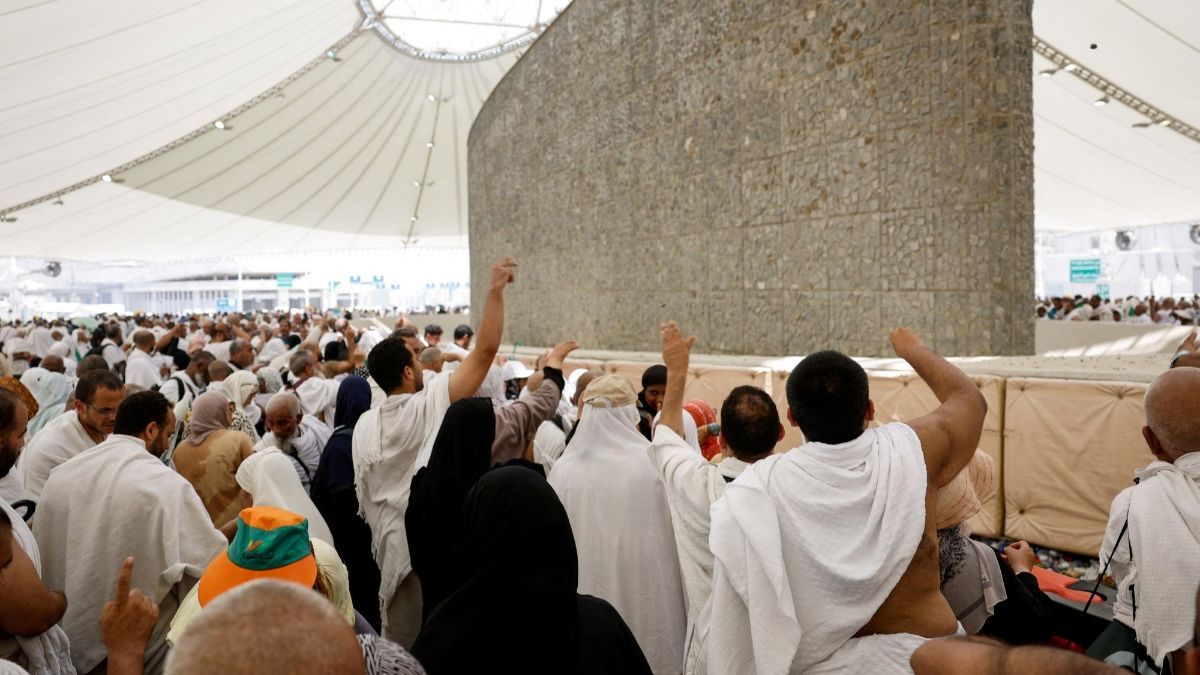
<point x="1152" y="541"/>
<point x="826" y="556"/>
<point x="393" y="440"/>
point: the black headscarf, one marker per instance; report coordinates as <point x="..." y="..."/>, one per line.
<point x="462" y="452"/>
<point x="519" y="611"/>
<point x="654" y="375"/>
<point x="334" y="496"/>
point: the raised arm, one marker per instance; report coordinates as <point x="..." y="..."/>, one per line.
<point x="676" y="353"/>
<point x="950" y="434"/>
<point x="465" y="380"/>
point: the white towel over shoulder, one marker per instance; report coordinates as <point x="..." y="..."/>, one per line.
<point x="808" y="546"/>
<point x="1164" y="528"/>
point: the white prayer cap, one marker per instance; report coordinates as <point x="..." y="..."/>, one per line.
<point x="515" y="370"/>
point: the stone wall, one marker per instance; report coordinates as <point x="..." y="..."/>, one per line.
<point x="779" y="176"/>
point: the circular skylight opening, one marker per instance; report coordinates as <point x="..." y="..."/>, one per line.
<point x="460" y="30"/>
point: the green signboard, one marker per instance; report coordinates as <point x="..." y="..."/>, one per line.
<point x="1085" y="270"/>
<point x="283" y="280"/>
<point x="1102" y="291"/>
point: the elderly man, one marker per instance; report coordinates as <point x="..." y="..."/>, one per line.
<point x="316" y="394"/>
<point x="28" y="611"/>
<point x="393" y="440"/>
<point x="826" y="556"/>
<point x="185" y="385"/>
<point x="1152" y="544"/>
<point x="241" y="354"/>
<point x="266" y="622"/>
<point x="97" y="397"/>
<point x="616" y="502"/>
<point x="431" y="363"/>
<point x="301" y="437"/>
<point x="140" y="367"/>
<point x="217" y="372"/>
<point x="118" y="500"/>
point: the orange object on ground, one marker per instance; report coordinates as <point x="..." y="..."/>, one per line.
<point x="1053" y="582"/>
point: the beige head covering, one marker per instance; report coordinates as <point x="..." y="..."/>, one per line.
<point x="610" y="391"/>
<point x="960" y="499"/>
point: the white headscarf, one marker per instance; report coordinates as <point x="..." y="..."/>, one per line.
<point x="238" y="386"/>
<point x="51" y="391"/>
<point x="616" y="502"/>
<point x="270" y="477"/>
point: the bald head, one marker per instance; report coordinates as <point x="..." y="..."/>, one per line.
<point x="144" y="340"/>
<point x="582" y="384"/>
<point x="54" y="364"/>
<point x="218" y="371"/>
<point x="283" y="403"/>
<point x="91" y="363"/>
<point x="268" y="624"/>
<point x="1171" y="402"/>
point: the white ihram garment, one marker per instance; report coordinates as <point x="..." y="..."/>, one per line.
<point x="622" y="526"/>
<point x="808" y="545"/>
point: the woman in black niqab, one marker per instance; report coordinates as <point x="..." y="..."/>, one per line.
<point x="519" y="610"/>
<point x="462" y="452"/>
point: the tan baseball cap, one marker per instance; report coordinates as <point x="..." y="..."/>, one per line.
<point x="610" y="391"/>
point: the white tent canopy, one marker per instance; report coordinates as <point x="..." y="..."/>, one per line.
<point x="1093" y="168"/>
<point x="333" y="152"/>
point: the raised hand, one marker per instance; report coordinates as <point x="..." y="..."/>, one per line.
<point x="127" y="621"/>
<point x="905" y="341"/>
<point x="559" y="353"/>
<point x="504" y="273"/>
<point x="676" y="349"/>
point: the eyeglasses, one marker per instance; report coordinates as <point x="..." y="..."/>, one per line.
<point x="103" y="412"/>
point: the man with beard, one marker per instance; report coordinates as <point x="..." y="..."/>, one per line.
<point x="301" y="437"/>
<point x="29" y="613"/>
<point x="185" y="385"/>
<point x="97" y="396"/>
<point x="118" y="500"/>
<point x="393" y="440"/>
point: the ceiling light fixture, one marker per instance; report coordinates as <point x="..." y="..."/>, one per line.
<point x="106" y="178"/>
<point x="1144" y="113"/>
<point x="331" y="55"/>
<point x="5" y="218"/>
<point x="57" y="202"/>
<point x="1048" y="72"/>
<point x="414" y="219"/>
<point x="429" y="144"/>
<point x="416" y="183"/>
<point x="221" y="125"/>
<point x="432" y="98"/>
<point x="1102" y="101"/>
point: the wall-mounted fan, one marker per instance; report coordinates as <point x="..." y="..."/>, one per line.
<point x="1194" y="233"/>
<point x="1126" y="239"/>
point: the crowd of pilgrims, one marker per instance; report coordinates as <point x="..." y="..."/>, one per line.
<point x="1132" y="310"/>
<point x="288" y="494"/>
